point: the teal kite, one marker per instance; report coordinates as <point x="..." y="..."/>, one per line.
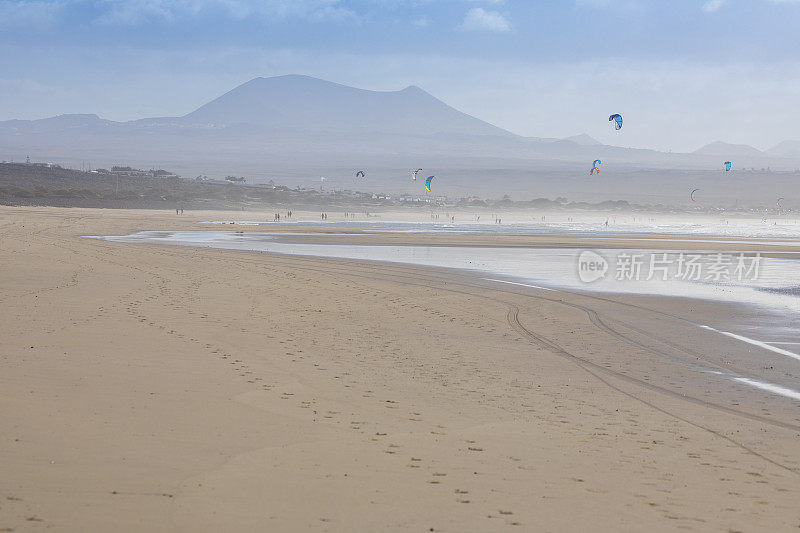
<point x="428" y="182"/>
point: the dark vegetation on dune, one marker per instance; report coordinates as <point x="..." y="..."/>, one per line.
<point x="43" y="185"/>
<point x="25" y="184"/>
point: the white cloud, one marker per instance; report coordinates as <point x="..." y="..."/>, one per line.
<point x="131" y="12"/>
<point x="478" y="19"/>
<point x="15" y="13"/>
<point x="712" y="5"/>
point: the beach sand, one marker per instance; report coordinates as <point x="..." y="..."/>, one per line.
<point x="159" y="388"/>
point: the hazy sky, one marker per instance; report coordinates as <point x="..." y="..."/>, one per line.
<point x="682" y="72"/>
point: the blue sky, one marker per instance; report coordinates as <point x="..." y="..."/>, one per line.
<point x="682" y="72"/>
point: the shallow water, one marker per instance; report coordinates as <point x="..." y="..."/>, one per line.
<point x="581" y="225"/>
<point x="771" y="292"/>
<point x="773" y="289"/>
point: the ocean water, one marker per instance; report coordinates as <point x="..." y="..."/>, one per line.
<point x="562" y="225"/>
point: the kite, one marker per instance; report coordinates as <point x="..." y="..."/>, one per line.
<point x="428" y="182"/>
<point x="727" y="166"/>
<point x="691" y="194"/>
<point x="617" y="121"/>
<point x="414" y="177"/>
<point x="595" y="170"/>
<point x="779" y="202"/>
<point x="361" y="174"/>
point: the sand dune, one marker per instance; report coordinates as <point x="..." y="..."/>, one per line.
<point x="167" y="388"/>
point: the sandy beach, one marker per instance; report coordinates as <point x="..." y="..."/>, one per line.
<point x="168" y="388"/>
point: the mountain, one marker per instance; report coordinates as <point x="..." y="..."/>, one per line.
<point x="294" y="129"/>
<point x="727" y="150"/>
<point x="786" y="149"/>
<point x="302" y="102"/>
<point x="60" y="123"/>
<point x="583" y="140"/>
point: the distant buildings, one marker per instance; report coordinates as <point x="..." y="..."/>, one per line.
<point x="129" y="172"/>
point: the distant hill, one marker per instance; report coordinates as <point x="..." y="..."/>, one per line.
<point x="294" y="102"/>
<point x="786" y="149"/>
<point x="60" y="123"/>
<point x="727" y="150"/>
<point x="583" y="140"/>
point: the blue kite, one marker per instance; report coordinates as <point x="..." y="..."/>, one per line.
<point x="428" y="182"/>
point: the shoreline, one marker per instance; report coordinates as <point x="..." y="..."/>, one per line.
<point x="554" y="268"/>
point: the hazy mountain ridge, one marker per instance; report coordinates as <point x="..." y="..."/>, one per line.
<point x="724" y="149"/>
<point x="302" y="102"/>
<point x="307" y="109"/>
<point x="786" y="149"/>
<point x="584" y="140"/>
<point x="294" y="129"/>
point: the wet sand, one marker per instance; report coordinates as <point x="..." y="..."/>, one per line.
<point x="168" y="388"/>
